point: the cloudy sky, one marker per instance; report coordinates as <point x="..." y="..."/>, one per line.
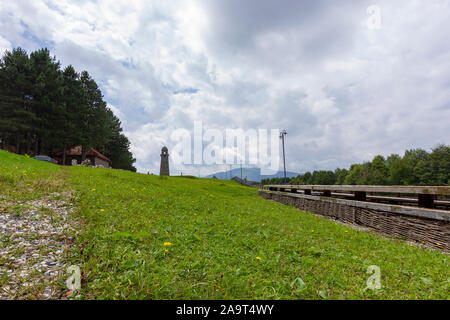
<point x="343" y="90"/>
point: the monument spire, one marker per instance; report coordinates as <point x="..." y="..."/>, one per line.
<point x="164" y="169"/>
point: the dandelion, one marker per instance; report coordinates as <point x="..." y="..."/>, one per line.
<point x="92" y="189"/>
<point x="167" y="244"/>
<point x="101" y="210"/>
<point x="166" y="251"/>
<point x="312" y="230"/>
<point x="258" y="258"/>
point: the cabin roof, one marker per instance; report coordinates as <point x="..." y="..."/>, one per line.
<point x="76" y="151"/>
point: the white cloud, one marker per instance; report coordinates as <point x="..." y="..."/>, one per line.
<point x="4" y="44"/>
<point x="344" y="93"/>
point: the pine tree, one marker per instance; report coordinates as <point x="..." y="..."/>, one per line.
<point x="16" y="115"/>
<point x="47" y="83"/>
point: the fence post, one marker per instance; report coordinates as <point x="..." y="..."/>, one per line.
<point x="360" y="195"/>
<point x="426" y="200"/>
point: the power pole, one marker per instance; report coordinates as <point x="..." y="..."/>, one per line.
<point x="241" y="171"/>
<point x="282" y="134"/>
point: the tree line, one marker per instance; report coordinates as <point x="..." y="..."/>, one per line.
<point x="45" y="109"/>
<point x="416" y="167"/>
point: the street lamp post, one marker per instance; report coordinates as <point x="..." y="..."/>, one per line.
<point x="282" y="134"/>
<point x="241" y="171"/>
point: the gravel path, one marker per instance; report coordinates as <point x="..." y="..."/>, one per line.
<point x="34" y="238"/>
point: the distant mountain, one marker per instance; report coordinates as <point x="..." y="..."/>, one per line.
<point x="252" y="174"/>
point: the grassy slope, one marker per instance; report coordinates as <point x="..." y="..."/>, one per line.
<point x="217" y="230"/>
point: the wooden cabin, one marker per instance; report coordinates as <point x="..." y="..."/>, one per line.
<point x="96" y="158"/>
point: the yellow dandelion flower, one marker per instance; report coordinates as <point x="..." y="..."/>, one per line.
<point x="167" y="244"/>
<point x="258" y="258"/>
<point x="101" y="210"/>
<point x="312" y="230"/>
<point x="92" y="189"/>
<point x="166" y="251"/>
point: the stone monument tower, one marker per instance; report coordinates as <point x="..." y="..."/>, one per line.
<point x="164" y="169"/>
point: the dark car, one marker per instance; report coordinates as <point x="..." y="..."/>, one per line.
<point x="46" y="158"/>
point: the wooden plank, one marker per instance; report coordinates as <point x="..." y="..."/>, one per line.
<point x="397" y="199"/>
<point x="410" y="211"/>
<point x="393" y="199"/>
<point x="441" y="190"/>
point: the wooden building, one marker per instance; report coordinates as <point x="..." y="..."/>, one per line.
<point x="96" y="158"/>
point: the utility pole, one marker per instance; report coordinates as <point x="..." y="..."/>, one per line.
<point x="241" y="171"/>
<point x="282" y="134"/>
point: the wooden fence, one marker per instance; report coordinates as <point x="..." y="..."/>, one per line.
<point x="410" y="212"/>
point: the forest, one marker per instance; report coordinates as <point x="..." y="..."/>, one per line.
<point x="416" y="167"/>
<point x="45" y="109"/>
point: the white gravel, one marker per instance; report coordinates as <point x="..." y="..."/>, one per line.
<point x="34" y="238"/>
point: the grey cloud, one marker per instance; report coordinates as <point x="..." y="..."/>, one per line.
<point x="305" y="30"/>
<point x="343" y="92"/>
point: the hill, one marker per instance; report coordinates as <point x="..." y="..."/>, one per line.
<point x="252" y="174"/>
<point x="137" y="236"/>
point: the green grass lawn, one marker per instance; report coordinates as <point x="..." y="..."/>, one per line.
<point x="144" y="237"/>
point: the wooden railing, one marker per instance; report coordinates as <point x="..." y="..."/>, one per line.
<point x="417" y="213"/>
<point x="420" y="196"/>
